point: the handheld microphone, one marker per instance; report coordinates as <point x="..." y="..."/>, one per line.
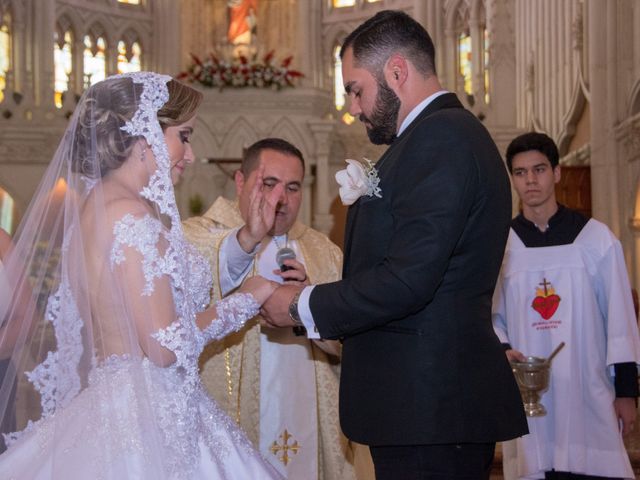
<point x="283" y="254"/>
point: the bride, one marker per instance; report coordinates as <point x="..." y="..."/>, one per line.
<point x="106" y="357"/>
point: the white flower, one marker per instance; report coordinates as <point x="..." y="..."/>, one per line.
<point x="356" y="180"/>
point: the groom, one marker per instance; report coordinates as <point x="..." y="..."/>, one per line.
<point x="425" y="382"/>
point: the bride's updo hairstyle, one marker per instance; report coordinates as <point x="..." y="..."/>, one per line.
<point x="100" y="144"/>
<point x="182" y="105"/>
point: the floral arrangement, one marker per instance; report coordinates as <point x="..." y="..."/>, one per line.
<point x="359" y="178"/>
<point x="241" y="72"/>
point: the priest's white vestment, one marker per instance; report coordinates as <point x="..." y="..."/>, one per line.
<point x="282" y="389"/>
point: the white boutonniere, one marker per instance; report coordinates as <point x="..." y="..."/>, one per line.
<point x="358" y="179"/>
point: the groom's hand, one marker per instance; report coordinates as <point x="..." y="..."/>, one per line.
<point x="275" y="310"/>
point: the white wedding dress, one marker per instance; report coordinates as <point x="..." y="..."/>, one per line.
<point x="107" y="410"/>
<point x="102" y="433"/>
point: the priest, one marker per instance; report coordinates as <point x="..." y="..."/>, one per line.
<point x="280" y="386"/>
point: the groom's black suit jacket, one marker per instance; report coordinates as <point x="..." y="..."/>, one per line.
<point x="421" y="363"/>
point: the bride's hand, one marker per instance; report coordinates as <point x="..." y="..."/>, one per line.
<point x="259" y="287"/>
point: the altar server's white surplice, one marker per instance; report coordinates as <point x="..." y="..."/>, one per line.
<point x="579" y="294"/>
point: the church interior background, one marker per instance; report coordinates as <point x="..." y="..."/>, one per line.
<point x="568" y="68"/>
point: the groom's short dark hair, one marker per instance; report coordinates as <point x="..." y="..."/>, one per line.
<point x="386" y="33"/>
<point x="251" y="155"/>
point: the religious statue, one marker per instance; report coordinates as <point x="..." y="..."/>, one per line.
<point x="242" y="21"/>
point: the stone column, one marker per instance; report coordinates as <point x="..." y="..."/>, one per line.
<point x="603" y="55"/>
<point x="76" y="81"/>
<point x="429" y="14"/>
<point x="43" y="66"/>
<point x="166" y="37"/>
<point x="628" y="138"/>
<point x="322" y="131"/>
<point x="20" y="60"/>
<point x="501" y="113"/>
<point x="309" y="55"/>
<point x="449" y="74"/>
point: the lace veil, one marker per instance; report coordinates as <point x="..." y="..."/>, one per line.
<point x="99" y="263"/>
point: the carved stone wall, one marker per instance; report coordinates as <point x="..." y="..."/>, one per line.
<point x="627" y="137"/>
<point x="614" y="51"/>
<point x="30" y="125"/>
<point x="551" y="62"/>
<point x="554" y="67"/>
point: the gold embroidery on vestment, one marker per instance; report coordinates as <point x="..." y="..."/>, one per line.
<point x="285" y="448"/>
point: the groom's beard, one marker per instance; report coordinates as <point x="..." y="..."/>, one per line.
<point x="384" y="118"/>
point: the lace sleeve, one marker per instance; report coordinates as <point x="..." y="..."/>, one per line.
<point x="232" y="313"/>
<point x="186" y="341"/>
<point x="148" y="280"/>
<point x="142" y="234"/>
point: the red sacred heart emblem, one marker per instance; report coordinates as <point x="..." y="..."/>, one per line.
<point x="546" y="306"/>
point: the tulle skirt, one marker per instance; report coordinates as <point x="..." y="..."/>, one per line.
<point x="135" y="421"/>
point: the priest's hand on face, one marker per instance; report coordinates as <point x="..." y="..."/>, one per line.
<point x="261" y="213"/>
<point x="626" y="411"/>
<point x="275" y="310"/>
